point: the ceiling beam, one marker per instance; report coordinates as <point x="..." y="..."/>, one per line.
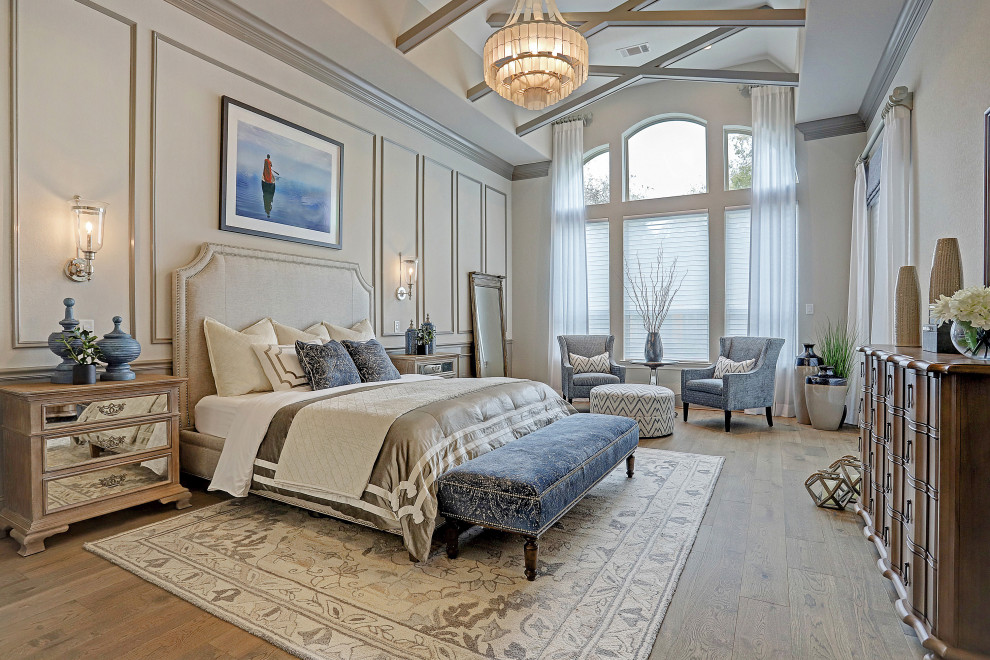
<point x="620" y="17"/>
<point x="434" y="23"/>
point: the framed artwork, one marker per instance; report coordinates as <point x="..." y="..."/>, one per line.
<point x="278" y="179"/>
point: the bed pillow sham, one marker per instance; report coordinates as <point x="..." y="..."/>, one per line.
<point x="281" y="366"/>
<point x="236" y="369"/>
<point x="288" y="336"/>
<point x="327" y="365"/>
<point x="371" y="360"/>
<point x="360" y="331"/>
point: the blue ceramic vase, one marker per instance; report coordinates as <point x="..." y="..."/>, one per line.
<point x="119" y="350"/>
<point x="63" y="372"/>
<point x="653" y="351"/>
<point x="411" y="338"/>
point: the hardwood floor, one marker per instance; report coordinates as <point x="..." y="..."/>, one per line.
<point x="770" y="575"/>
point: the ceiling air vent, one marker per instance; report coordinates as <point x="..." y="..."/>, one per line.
<point x="630" y="51"/>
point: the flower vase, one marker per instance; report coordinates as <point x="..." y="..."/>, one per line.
<point x="83" y="374"/>
<point x="653" y="352"/>
<point x="970" y="341"/>
<point x="422" y="349"/>
<point x="806" y="364"/>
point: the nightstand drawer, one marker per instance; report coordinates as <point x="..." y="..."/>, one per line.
<point x="65" y="415"/>
<point x="438" y="368"/>
<point x="69" y="450"/>
<point x="102" y="483"/>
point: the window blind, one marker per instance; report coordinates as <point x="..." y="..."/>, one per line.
<point x="596" y="233"/>
<point x="684" y="237"/>
<point x="737" y="223"/>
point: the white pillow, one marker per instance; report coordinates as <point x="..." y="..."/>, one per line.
<point x="281" y="365"/>
<point x="236" y="369"/>
<point x="726" y="366"/>
<point x="599" y="364"/>
<point x="288" y="336"/>
<point x="360" y="331"/>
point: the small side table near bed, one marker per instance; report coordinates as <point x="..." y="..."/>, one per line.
<point x="434" y="364"/>
<point x="72" y="452"/>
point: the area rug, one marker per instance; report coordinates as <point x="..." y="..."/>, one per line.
<point x="321" y="588"/>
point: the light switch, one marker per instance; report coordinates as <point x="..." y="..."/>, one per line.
<point x="87" y="324"/>
<point x="809" y="308"/>
<point x="398" y="326"/>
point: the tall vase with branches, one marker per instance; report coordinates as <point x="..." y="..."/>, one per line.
<point x="652" y="287"/>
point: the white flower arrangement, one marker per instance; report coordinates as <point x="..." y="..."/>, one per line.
<point x="969" y="310"/>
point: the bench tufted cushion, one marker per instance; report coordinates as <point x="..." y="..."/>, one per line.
<point x="526" y="485"/>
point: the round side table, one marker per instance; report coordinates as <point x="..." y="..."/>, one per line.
<point x="653" y="366"/>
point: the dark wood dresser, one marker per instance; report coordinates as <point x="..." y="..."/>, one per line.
<point x="925" y="442"/>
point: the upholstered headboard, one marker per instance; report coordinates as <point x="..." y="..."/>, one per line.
<point x="238" y="286"/>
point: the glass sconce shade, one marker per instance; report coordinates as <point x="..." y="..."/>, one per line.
<point x="88" y="218"/>
<point x="408" y="273"/>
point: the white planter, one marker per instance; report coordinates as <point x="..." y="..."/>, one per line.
<point x="800" y="404"/>
<point x="825" y="405"/>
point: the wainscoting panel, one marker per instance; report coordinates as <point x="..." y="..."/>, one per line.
<point x="400" y="226"/>
<point x="470" y="250"/>
<point x="438" y="268"/>
<point x="86" y="55"/>
<point x="496" y="210"/>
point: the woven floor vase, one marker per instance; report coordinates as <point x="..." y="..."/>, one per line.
<point x="907" y="308"/>
<point x="946" y="269"/>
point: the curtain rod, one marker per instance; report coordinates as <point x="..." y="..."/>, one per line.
<point x="587" y="119"/>
<point x="900" y="96"/>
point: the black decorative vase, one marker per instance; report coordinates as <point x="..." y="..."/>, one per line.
<point x="83" y="374"/>
<point x="119" y="350"/>
<point x="653" y="352"/>
<point x="422" y="349"/>
<point x="805" y="365"/>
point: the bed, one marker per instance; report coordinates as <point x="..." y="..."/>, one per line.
<point x="367" y="453"/>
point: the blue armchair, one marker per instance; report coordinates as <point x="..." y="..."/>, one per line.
<point x="578" y="386"/>
<point x="753" y="389"/>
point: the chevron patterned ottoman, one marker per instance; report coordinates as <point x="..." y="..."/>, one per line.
<point x="650" y="405"/>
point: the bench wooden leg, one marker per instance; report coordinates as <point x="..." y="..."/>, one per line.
<point x="532" y="550"/>
<point x="451" y="537"/>
<point x="630" y="465"/>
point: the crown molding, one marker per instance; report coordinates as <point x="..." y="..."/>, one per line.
<point x="531" y="170"/>
<point x="231" y="19"/>
<point x="832" y="127"/>
<point x="908" y="22"/>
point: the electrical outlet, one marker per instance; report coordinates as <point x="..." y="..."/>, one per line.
<point x="398" y="326"/>
<point x="87" y="324"/>
<point x="809" y="309"/>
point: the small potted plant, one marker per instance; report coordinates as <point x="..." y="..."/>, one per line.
<point x="825" y="392"/>
<point x="83" y="350"/>
<point x="424" y="337"/>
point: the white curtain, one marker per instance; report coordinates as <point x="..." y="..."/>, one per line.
<point x="568" y="263"/>
<point x="860" y="291"/>
<point x="773" y="297"/>
<point x="894" y="246"/>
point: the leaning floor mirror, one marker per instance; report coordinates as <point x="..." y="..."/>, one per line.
<point x="488" y="308"/>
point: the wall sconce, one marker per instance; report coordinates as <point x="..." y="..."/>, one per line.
<point x="87" y="221"/>
<point x="408" y="271"/>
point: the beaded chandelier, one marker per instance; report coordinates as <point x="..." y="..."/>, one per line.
<point x="537" y="59"/>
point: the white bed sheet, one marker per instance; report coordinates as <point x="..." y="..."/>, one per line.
<point x="244" y="422"/>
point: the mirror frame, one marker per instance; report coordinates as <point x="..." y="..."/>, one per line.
<point x="478" y="279"/>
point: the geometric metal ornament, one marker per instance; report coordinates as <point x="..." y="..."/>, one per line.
<point x="851" y="469"/>
<point x="829" y="489"/>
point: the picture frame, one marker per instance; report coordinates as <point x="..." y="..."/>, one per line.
<point x="278" y="179"/>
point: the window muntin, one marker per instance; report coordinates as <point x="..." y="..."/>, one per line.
<point x="684" y="236"/>
<point x="737" y="232"/>
<point x="596" y="234"/>
<point x="738" y="156"/>
<point x="667" y="158"/>
<point x="596" y="190"/>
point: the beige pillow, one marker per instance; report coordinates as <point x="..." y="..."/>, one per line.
<point x="360" y="331"/>
<point x="281" y="365"/>
<point x="288" y="336"/>
<point x="236" y="369"/>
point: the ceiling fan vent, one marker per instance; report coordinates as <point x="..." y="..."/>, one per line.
<point x="630" y="51"/>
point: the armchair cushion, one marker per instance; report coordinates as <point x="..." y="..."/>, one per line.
<point x="707" y="385"/>
<point x="593" y="379"/>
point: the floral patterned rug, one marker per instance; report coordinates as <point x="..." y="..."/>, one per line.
<point x="322" y="588"/>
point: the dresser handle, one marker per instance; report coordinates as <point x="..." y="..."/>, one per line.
<point x="907" y="451"/>
<point x="888" y="482"/>
<point x="890" y="384"/>
<point x="111" y="409"/>
<point x="888" y="431"/>
<point x="910" y="395"/>
<point x="907" y="573"/>
<point x="862" y="369"/>
<point x="907" y="513"/>
<point x="886" y="535"/>
<point x="112" y="481"/>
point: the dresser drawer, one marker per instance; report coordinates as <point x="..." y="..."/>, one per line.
<point x="73" y="413"/>
<point x="95" y="446"/>
<point x="103" y="483"/>
<point x="437" y="368"/>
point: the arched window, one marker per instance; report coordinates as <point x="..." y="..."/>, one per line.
<point x="596" y="164"/>
<point x="666" y="157"/>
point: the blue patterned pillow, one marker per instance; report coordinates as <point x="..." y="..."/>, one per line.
<point x="372" y="361"/>
<point x="327" y="365"/>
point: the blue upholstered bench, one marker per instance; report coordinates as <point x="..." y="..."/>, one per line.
<point x="527" y="485"/>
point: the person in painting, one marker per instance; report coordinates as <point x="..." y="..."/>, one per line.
<point x="268" y="176"/>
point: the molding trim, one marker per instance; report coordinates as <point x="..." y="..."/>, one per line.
<point x="831" y="127"/>
<point x="531" y="171"/>
<point x="424" y="268"/>
<point x="386" y="290"/>
<point x="40" y="373"/>
<point x="908" y="23"/>
<point x="248" y="28"/>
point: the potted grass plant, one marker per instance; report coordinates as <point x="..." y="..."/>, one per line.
<point x="825" y="392"/>
<point x="82" y="349"/>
